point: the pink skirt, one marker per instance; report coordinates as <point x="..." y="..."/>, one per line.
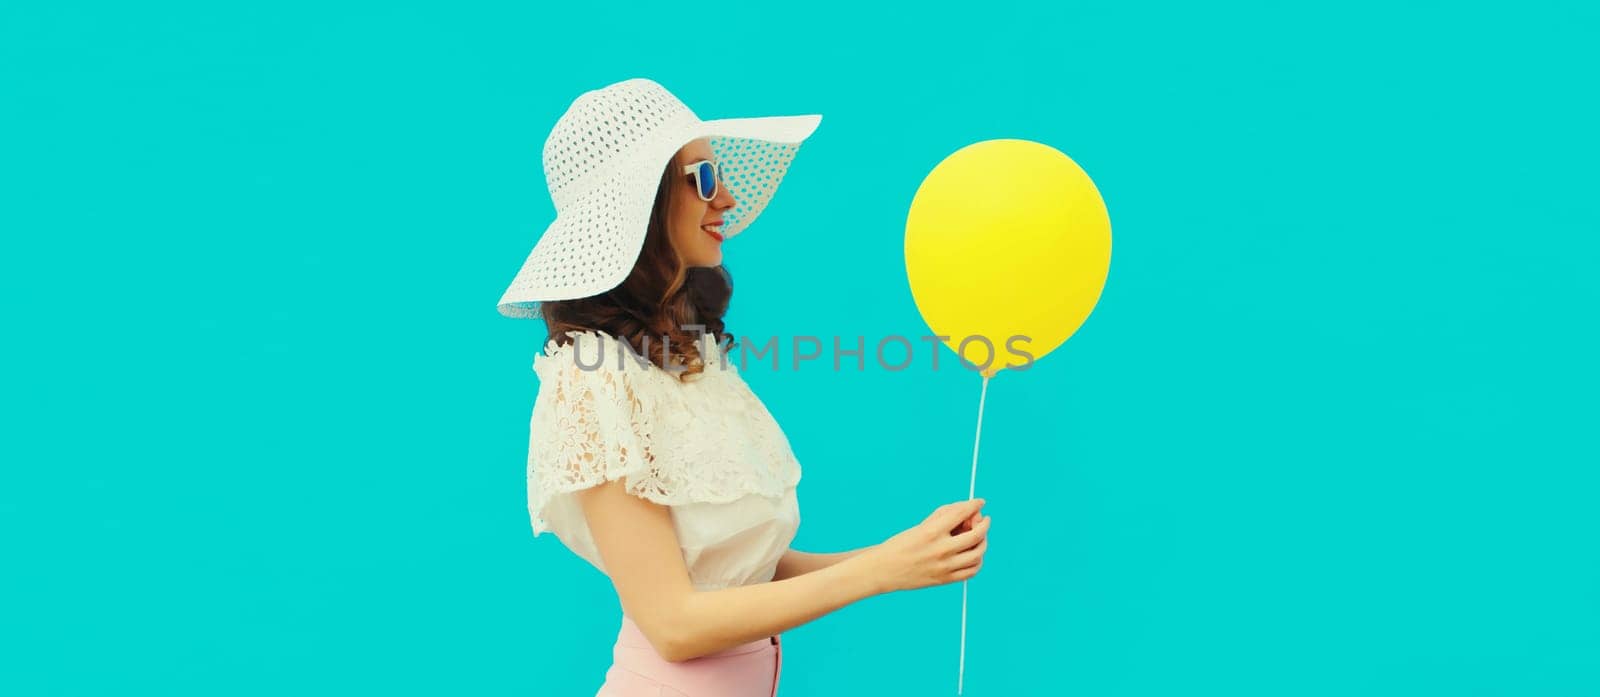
<point x="746" y="670"/>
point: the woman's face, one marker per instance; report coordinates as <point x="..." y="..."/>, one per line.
<point x="696" y="226"/>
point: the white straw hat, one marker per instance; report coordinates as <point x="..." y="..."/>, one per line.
<point x="603" y="163"/>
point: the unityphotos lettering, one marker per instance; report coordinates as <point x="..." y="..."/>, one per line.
<point x="1014" y="345"/>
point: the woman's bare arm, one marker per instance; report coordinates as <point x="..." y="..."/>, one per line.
<point x="639" y="547"/>
<point x="797" y="563"/>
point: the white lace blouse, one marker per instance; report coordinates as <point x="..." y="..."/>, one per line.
<point x="707" y="448"/>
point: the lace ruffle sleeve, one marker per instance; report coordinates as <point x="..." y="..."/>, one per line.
<point x="600" y="415"/>
<point x="591" y="424"/>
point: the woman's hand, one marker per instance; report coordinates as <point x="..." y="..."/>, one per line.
<point x="946" y="547"/>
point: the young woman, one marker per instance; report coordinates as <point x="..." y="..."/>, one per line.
<point x="649" y="456"/>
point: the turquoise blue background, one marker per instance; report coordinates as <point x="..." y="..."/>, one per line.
<point x="1331" y="430"/>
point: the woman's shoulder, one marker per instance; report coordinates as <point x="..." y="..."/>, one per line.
<point x="587" y="351"/>
<point x="572" y="341"/>
<point x="708" y="440"/>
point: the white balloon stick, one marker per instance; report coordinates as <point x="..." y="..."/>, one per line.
<point x="972" y="491"/>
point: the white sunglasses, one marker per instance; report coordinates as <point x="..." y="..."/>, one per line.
<point x="707" y="175"/>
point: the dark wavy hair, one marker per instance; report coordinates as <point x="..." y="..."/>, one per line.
<point x="658" y="299"/>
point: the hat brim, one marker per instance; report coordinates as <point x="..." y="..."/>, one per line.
<point x="775" y="129"/>
<point x="593" y="243"/>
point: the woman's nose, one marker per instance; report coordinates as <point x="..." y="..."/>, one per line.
<point x="724" y="199"/>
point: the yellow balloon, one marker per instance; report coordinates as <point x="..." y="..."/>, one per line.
<point x="1007" y="238"/>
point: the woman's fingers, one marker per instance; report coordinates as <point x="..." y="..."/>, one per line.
<point x="945" y="518"/>
<point x="969" y="557"/>
<point x="966" y="573"/>
<point x="969" y="538"/>
<point x="967" y="523"/>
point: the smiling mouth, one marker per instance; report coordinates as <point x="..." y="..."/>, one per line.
<point x="715" y="231"/>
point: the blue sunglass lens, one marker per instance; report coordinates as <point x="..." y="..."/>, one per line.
<point x="708" y="180"/>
